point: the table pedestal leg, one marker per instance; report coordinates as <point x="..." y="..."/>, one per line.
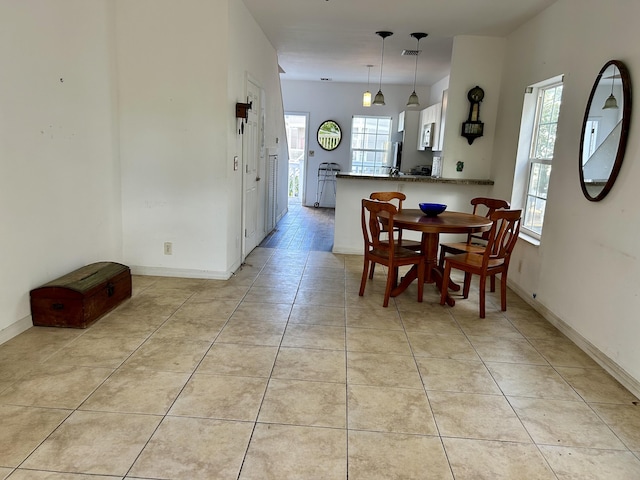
<point x="433" y="274"/>
<point x="430" y="242"/>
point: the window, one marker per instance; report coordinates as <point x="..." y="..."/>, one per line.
<point x="370" y="144"/>
<point x="537" y="141"/>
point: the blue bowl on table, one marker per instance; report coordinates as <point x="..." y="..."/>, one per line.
<point x="432" y="209"/>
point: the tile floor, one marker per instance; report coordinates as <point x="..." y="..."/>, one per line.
<point x="284" y="372"/>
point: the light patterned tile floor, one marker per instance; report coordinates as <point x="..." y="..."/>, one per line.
<point x="265" y="376"/>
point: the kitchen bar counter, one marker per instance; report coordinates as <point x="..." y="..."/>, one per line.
<point x="456" y="193"/>
<point x="415" y="178"/>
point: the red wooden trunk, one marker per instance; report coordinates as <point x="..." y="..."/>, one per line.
<point x="81" y="297"/>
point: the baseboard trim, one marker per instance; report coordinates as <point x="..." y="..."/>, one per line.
<point x="180" y="272"/>
<point x="15" y="329"/>
<point x="619" y="373"/>
<point x="348" y="251"/>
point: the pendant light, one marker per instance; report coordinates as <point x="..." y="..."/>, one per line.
<point x="366" y="97"/>
<point x="379" y="100"/>
<point x="413" y="98"/>
<point x="611" y="102"/>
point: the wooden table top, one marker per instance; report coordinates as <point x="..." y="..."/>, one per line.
<point x="446" y="222"/>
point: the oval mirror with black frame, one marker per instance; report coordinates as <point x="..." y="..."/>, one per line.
<point x="329" y="135"/>
<point x="605" y="130"/>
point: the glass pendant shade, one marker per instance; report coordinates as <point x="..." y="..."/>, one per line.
<point x="379" y="100"/>
<point x="366" y="96"/>
<point x="366" y="99"/>
<point x="610" y="102"/>
<point x="413" y="100"/>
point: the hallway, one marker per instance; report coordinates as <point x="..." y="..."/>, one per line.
<point x="304" y="229"/>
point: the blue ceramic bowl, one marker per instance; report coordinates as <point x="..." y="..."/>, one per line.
<point x="432" y="209"/>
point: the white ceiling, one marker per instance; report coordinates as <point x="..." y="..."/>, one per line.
<point x="336" y="39"/>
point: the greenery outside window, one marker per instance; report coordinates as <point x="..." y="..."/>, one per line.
<point x="370" y="144"/>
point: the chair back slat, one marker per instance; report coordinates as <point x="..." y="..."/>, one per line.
<point x="372" y="228"/>
<point x="481" y="204"/>
<point x="389" y="197"/>
<point x="503" y="235"/>
<point x="395" y="198"/>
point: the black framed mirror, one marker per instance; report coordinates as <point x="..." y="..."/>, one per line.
<point x="329" y="135"/>
<point x="605" y="130"/>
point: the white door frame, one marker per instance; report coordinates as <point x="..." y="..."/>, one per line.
<point x="255" y="166"/>
<point x="305" y="160"/>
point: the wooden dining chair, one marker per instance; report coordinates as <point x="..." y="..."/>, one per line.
<point x="476" y="242"/>
<point x="383" y="249"/>
<point x="495" y="260"/>
<point x="398" y="197"/>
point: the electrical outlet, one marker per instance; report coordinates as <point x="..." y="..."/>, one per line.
<point x="235" y="162"/>
<point x="168" y="248"/>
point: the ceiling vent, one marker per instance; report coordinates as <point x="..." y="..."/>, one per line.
<point x="411" y="53"/>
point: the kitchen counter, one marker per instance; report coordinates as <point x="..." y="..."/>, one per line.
<point x="415" y="178"/>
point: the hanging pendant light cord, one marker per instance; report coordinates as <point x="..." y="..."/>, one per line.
<point x="418" y="36"/>
<point x="613" y="79"/>
<point x="381" y="64"/>
<point x="415" y="71"/>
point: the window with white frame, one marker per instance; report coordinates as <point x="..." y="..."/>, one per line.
<point x="370" y="144"/>
<point x="538" y="130"/>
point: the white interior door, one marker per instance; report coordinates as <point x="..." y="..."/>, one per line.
<point x="250" y="173"/>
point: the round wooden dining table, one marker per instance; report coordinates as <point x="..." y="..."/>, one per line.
<point x="431" y="228"/>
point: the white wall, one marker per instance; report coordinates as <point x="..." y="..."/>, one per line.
<point x="153" y="82"/>
<point x="182" y="67"/>
<point x="437" y="89"/>
<point x="585" y="273"/>
<point x="60" y="181"/>
<point x="475" y="61"/>
<point x="173" y="129"/>
<point x="339" y="102"/>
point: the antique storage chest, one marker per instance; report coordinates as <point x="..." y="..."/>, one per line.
<point x="82" y="296"/>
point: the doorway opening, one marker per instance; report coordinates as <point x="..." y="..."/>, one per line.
<point x="302" y="228"/>
<point x="297" y="139"/>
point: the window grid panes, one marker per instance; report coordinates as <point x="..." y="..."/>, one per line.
<point x="370" y="144"/>
<point x="544" y="139"/>
<point x="537" y="196"/>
